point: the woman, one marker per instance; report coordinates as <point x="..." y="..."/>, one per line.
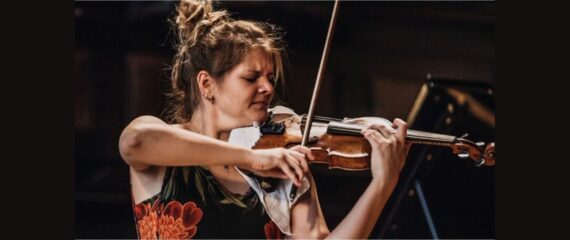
<point x="183" y="173"/>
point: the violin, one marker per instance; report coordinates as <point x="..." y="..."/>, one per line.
<point x="339" y="143"/>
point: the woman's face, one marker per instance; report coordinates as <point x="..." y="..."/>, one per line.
<point x="246" y="91"/>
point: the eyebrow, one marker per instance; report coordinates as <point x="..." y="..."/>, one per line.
<point x="257" y="72"/>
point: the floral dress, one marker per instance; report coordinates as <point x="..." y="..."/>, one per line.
<point x="192" y="204"/>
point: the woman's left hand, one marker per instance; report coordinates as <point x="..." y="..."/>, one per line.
<point x="389" y="149"/>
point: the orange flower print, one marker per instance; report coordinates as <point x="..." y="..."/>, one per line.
<point x="179" y="221"/>
<point x="147" y="220"/>
<point x="272" y="231"/>
<point x="175" y="221"/>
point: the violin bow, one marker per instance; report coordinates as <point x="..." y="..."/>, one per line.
<point x="317" y="87"/>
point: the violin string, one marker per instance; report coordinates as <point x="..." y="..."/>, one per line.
<point x="321" y="118"/>
<point x="414" y="136"/>
<point x="419" y="138"/>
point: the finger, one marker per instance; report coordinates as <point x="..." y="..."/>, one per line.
<point x="307" y="154"/>
<point x="291" y="175"/>
<point x="378" y="137"/>
<point x="369" y="135"/>
<point x="401" y="129"/>
<point x="367" y="127"/>
<point x="295" y="161"/>
<point x="310" y="154"/>
<point x="384" y="131"/>
<point x="287" y="170"/>
<point x="301" y="160"/>
<point x="305" y="150"/>
<point x="305" y="164"/>
<point x="297" y="153"/>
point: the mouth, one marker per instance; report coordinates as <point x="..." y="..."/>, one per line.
<point x="260" y="104"/>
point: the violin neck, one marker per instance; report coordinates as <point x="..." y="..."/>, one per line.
<point x="428" y="138"/>
<point x="413" y="136"/>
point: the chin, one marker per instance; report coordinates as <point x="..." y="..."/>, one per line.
<point x="258" y="115"/>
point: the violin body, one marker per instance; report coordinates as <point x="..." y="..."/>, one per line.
<point x="337" y="151"/>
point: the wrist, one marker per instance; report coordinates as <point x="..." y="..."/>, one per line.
<point x="245" y="158"/>
<point x="383" y="183"/>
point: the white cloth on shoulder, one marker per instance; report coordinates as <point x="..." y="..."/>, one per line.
<point x="276" y="202"/>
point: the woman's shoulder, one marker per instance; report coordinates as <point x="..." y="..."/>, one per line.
<point x="154" y="119"/>
<point x="179" y="125"/>
<point x="147" y="119"/>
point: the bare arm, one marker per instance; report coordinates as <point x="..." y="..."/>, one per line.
<point x="148" y="141"/>
<point x="361" y="219"/>
<point x="308" y="220"/>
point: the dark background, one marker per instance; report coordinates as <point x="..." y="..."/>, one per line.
<point x="379" y="59"/>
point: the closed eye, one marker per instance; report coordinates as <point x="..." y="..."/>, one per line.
<point x="250" y="79"/>
<point x="270" y="77"/>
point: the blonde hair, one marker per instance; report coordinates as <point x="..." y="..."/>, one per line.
<point x="212" y="41"/>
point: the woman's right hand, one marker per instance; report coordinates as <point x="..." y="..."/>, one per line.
<point x="281" y="163"/>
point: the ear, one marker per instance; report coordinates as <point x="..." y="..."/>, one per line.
<point x="206" y="83"/>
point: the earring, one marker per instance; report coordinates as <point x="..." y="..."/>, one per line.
<point x="208" y="97"/>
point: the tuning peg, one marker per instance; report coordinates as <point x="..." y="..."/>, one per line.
<point x="480" y="162"/>
<point x="464" y="135"/>
<point x="480" y="144"/>
<point x="463" y="154"/>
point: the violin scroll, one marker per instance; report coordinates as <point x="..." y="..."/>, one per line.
<point x="467" y="149"/>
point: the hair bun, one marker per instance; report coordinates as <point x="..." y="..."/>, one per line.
<point x="191" y="12"/>
<point x="193" y="18"/>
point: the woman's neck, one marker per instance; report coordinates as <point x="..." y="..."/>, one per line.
<point x="205" y="122"/>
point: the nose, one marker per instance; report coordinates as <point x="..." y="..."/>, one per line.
<point x="266" y="86"/>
